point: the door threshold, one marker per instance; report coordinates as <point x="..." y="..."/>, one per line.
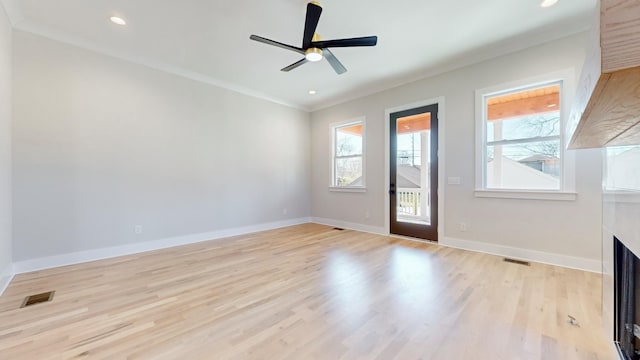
<point x="409" y="238"/>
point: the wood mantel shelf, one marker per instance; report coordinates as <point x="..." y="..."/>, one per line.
<point x="606" y="111"/>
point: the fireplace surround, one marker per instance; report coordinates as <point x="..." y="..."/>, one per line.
<point x="621" y="249"/>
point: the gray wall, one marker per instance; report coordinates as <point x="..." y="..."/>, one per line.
<point x="101" y="145"/>
<point x="110" y="145"/>
<point x="570" y="228"/>
<point x="5" y="147"/>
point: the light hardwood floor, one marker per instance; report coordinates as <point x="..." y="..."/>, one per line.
<point x="305" y="292"/>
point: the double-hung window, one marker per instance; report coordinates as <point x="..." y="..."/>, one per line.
<point x="348" y="155"/>
<point x="520" y="145"/>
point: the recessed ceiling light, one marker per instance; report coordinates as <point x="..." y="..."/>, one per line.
<point x="548" y="3"/>
<point x="312" y="92"/>
<point x="118" y="20"/>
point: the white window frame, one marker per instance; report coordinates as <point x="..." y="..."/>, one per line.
<point x="333" y="128"/>
<point x="566" y="79"/>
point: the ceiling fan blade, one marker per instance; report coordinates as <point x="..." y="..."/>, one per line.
<point x="334" y="62"/>
<point x="275" y="43"/>
<point x="311" y="23"/>
<point x="361" y="41"/>
<point x="295" y="65"/>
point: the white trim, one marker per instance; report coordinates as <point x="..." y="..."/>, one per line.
<point x="360" y="120"/>
<point x="566" y="79"/>
<point x="493" y="52"/>
<point x="25" y="266"/>
<point x="5" y="281"/>
<point x="441" y="158"/>
<point x="56" y="35"/>
<point x="349" y="225"/>
<point x="17" y="19"/>
<point x="5" y="278"/>
<point x="481" y="136"/>
<point x="566" y="261"/>
<point x="528" y="195"/>
<point x="19" y="22"/>
<point x="572" y="262"/>
<point x="354" y="189"/>
<point x="621" y="196"/>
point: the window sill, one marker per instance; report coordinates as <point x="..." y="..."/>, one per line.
<point x="353" y="189"/>
<point x="527" y="195"/>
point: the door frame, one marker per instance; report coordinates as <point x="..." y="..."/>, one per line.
<point x="441" y="158"/>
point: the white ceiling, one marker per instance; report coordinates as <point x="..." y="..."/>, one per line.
<point x="209" y="40"/>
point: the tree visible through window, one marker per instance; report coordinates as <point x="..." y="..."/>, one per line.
<point x="348" y="155"/>
<point x="522" y="139"/>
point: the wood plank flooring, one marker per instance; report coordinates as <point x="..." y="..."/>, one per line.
<point x="305" y="292"/>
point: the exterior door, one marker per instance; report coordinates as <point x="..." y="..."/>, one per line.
<point x="413" y="185"/>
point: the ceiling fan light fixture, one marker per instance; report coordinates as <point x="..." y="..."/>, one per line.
<point x="313" y="54"/>
<point x="548" y="3"/>
<point x="313" y="48"/>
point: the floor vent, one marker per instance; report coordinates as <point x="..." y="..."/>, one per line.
<point x="519" y="262"/>
<point x="337" y="228"/>
<point x="37" y="299"/>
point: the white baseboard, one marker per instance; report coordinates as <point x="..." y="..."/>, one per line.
<point x="349" y="225"/>
<point x="525" y="254"/>
<point x="25" y="266"/>
<point x="483" y="247"/>
<point x="5" y="278"/>
<point x="49" y="262"/>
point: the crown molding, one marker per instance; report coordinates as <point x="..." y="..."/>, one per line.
<point x="13" y="11"/>
<point x="460" y="61"/>
<point x="472" y="57"/>
<point x="49" y="33"/>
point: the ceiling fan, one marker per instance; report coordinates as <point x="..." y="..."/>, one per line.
<point x="313" y="47"/>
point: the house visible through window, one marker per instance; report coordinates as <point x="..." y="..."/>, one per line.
<point x="348" y="155"/>
<point x="522" y="147"/>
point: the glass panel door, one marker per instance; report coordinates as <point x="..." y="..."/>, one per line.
<point x="414" y="172"/>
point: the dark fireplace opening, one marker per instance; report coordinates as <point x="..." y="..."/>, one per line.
<point x="627" y="300"/>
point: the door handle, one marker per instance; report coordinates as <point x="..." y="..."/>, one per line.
<point x="392" y="189"/>
<point x="392" y="192"/>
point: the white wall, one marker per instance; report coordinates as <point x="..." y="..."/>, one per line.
<point x="570" y="229"/>
<point x="5" y="149"/>
<point x="101" y="145"/>
<point x="621" y="215"/>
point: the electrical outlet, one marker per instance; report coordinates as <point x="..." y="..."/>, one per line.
<point x="285" y="211"/>
<point x="138" y="229"/>
<point x="367" y="215"/>
<point x="463" y="226"/>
